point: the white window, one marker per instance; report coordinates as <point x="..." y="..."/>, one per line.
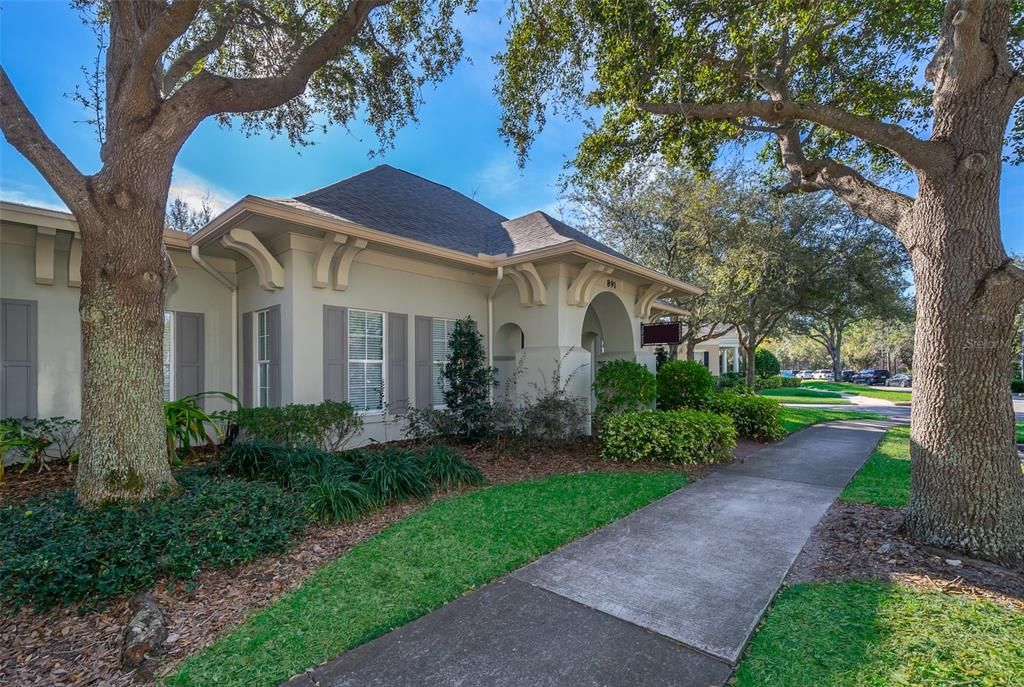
<point x="262" y="371"/>
<point x="440" y="335"/>
<point x="168" y="355"/>
<point x="366" y="360"/>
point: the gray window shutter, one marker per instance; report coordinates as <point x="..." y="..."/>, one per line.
<point x="189" y="368"/>
<point x="335" y="353"/>
<point x="18" y="358"/>
<point x="423" y="361"/>
<point x="248" y="360"/>
<point x="398" y="362"/>
<point x="274" y="313"/>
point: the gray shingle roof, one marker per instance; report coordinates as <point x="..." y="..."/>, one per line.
<point x="397" y="202"/>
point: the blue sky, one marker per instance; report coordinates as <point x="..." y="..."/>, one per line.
<point x="43" y="45"/>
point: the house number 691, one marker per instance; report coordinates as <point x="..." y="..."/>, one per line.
<point x="611" y="284"/>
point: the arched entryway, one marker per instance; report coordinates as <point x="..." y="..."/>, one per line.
<point x="607" y="333"/>
<point x="509" y="340"/>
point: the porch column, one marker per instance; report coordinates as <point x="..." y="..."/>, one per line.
<point x="736" y="359"/>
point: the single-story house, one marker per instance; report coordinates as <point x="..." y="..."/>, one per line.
<point x="719" y="354"/>
<point x="347" y="292"/>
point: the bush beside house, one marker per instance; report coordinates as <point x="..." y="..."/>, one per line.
<point x="684" y="384"/>
<point x="670" y="436"/>
<point x="623" y="386"/>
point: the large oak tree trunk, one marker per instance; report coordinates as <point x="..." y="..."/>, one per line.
<point x="125" y="273"/>
<point x="967" y="489"/>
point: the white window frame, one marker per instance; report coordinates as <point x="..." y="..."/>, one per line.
<point x="383" y="359"/>
<point x="168" y="355"/>
<point x="261" y="329"/>
<point x="435" y="362"/>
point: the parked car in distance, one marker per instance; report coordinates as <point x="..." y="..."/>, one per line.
<point x="825" y="375"/>
<point x="902" y="379"/>
<point x="870" y="376"/>
<point x="848" y="375"/>
<point x="805" y="374"/>
<point x="787" y="373"/>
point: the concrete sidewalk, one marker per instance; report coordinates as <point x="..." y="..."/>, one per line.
<point x="669" y="595"/>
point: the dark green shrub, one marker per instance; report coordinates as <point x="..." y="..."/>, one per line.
<point x="765" y="363"/>
<point x="673" y="436"/>
<point x="790" y="382"/>
<point x="1017" y="386"/>
<point x="54" y="551"/>
<point x="622" y="386"/>
<point x="755" y="417"/>
<point x="684" y="384"/>
<point x="328" y="425"/>
<point x="393" y="474"/>
<point x="289" y="468"/>
<point x="728" y="380"/>
<point x="335" y="498"/>
<point x="447" y="468"/>
<point x="468" y="379"/>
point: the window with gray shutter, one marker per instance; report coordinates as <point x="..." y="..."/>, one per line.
<point x="440" y="334"/>
<point x="18" y="358"/>
<point x="275" y="355"/>
<point x="424" y="361"/>
<point x="398" y="362"/>
<point x="335" y="353"/>
<point x="189" y="354"/>
<point x="168" y="346"/>
<point x="366" y="360"/>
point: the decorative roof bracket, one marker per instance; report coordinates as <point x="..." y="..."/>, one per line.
<point x="268" y="269"/>
<point x="646" y="297"/>
<point x="537" y="289"/>
<point x="46" y="239"/>
<point x="581" y="287"/>
<point x="345" y="263"/>
<point x="322" y="267"/>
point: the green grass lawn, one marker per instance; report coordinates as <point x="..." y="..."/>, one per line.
<point x="415" y="566"/>
<point x="794" y="419"/>
<point x="897" y="397"/>
<point x="796" y="395"/>
<point x="885" y="478"/>
<point x="872" y="634"/>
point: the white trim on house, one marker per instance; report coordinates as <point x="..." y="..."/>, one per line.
<point x="261" y="358"/>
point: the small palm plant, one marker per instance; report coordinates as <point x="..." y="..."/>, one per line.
<point x="10" y="437"/>
<point x="187" y="423"/>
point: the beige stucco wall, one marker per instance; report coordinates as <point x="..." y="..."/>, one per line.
<point x="59" y="331"/>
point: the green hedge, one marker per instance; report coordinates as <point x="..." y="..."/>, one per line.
<point x="623" y="386"/>
<point x="676" y="436"/>
<point x="54" y="551"/>
<point x="755" y="417"/>
<point x="684" y="384"/>
<point x="328" y="425"/>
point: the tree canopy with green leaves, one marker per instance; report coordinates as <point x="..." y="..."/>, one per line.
<point x="834" y="91"/>
<point x="285" y="66"/>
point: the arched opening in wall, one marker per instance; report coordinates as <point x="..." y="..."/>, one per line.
<point x="607" y="333"/>
<point x="509" y="340"/>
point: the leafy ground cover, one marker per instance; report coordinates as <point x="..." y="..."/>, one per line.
<point x="415" y="566"/>
<point x="901" y="398"/>
<point x="795" y="419"/>
<point x="870" y="634"/>
<point x="885" y="478"/>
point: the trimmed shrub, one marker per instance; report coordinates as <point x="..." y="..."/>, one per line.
<point x="755" y="417"/>
<point x="765" y="363"/>
<point x="328" y="425"/>
<point x="447" y="468"/>
<point x="790" y="382"/>
<point x="675" y="436"/>
<point x="336" y="498"/>
<point x="54" y="551"/>
<point x="773" y="382"/>
<point x="393" y="474"/>
<point x="468" y="379"/>
<point x="728" y="380"/>
<point x="1017" y="386"/>
<point x="623" y="386"/>
<point x="684" y="384"/>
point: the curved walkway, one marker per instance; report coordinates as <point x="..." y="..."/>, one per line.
<point x="669" y="595"/>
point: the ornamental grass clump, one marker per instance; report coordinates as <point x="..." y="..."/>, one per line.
<point x="448" y="469"/>
<point x="394" y="474"/>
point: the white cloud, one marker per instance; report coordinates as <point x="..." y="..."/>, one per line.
<point x="193" y="189"/>
<point x="498" y="178"/>
<point x="27" y="195"/>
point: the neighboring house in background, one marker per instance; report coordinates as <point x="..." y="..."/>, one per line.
<point x="720" y="354"/>
<point x="346" y="293"/>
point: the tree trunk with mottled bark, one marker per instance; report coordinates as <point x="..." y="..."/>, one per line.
<point x="967" y="489"/>
<point x="125" y="274"/>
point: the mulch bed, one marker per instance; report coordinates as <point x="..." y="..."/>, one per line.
<point x="67" y="648"/>
<point x="861" y="541"/>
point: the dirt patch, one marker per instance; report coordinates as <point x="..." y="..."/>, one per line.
<point x="860" y="541"/>
<point x="68" y="648"/>
<point x="19" y="486"/>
